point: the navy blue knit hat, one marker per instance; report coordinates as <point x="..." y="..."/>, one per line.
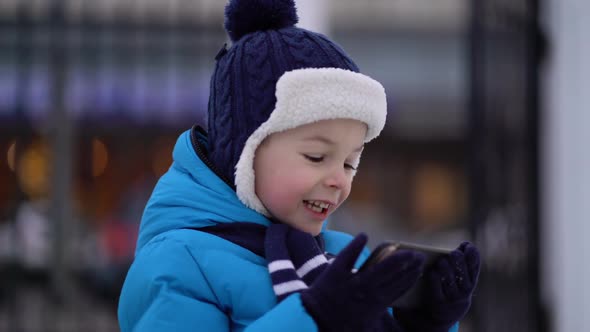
<point x="274" y="77"/>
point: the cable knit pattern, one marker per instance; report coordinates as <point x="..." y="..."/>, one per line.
<point x="300" y="49"/>
<point x="334" y="50"/>
<point x="243" y="93"/>
<point x="220" y="112"/>
<point x="261" y="83"/>
<point x="305" y="45"/>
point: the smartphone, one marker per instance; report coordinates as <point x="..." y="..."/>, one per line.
<point x="412" y="296"/>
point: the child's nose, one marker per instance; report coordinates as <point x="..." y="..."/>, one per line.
<point x="337" y="178"/>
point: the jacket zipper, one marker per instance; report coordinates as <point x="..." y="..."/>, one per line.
<point x="201" y="154"/>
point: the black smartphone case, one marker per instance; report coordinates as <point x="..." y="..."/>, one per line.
<point x="412" y="297"/>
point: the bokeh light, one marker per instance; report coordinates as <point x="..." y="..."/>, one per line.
<point x="162" y="156"/>
<point x="437" y="196"/>
<point x="33" y="170"/>
<point x="100" y="157"/>
<point x="11" y="156"/>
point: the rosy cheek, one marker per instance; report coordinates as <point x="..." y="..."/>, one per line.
<point x="279" y="200"/>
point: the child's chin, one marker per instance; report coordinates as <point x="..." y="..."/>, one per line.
<point x="313" y="229"/>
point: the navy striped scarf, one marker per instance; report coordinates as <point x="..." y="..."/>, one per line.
<point x="295" y="258"/>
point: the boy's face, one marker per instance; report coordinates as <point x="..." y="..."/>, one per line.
<point x="303" y="174"/>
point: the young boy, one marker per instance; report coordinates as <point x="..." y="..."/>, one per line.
<point x="233" y="237"/>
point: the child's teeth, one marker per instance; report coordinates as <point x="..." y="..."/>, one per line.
<point x="319" y="204"/>
<point x="315" y="207"/>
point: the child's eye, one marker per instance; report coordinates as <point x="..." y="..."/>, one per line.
<point x="350" y="167"/>
<point x="313" y="159"/>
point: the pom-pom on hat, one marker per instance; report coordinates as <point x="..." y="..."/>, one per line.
<point x="275" y="77"/>
<point x="243" y="17"/>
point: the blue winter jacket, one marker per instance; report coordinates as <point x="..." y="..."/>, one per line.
<point x="186" y="280"/>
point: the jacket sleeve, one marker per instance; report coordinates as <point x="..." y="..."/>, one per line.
<point x="289" y="315"/>
<point x="160" y="296"/>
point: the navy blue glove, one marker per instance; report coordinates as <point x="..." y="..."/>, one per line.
<point x="447" y="294"/>
<point x="341" y="300"/>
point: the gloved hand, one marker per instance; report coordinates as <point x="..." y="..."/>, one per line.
<point x="340" y="300"/>
<point x="447" y="294"/>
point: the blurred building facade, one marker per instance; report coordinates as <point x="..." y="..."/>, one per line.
<point x="94" y="93"/>
<point x="565" y="247"/>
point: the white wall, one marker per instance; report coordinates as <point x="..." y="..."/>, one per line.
<point x="566" y="201"/>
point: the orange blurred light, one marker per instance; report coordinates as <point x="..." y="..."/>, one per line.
<point x="100" y="157"/>
<point x="11" y="156"/>
<point x="162" y="157"/>
<point x="33" y="170"/>
<point x="436" y="195"/>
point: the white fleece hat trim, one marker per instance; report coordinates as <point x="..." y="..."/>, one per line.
<point x="309" y="95"/>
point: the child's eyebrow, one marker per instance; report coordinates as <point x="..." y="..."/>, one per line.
<point x="328" y="141"/>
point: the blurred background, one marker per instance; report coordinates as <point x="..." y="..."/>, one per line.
<point x="485" y="140"/>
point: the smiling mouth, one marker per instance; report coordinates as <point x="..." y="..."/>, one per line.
<point x="317" y="206"/>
